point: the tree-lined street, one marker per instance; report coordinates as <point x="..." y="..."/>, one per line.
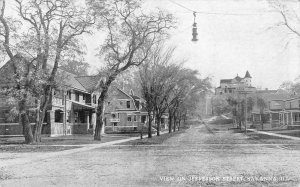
<point x="205" y="155"/>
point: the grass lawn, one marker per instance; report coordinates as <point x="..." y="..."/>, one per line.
<point x="50" y="144"/>
<point x="154" y="140"/>
<point x="23" y="148"/>
<point x="159" y="139"/>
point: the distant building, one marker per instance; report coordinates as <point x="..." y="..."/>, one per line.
<point x="230" y="86"/>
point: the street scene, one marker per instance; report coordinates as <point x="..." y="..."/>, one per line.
<point x="202" y="155"/>
<point x="149" y="93"/>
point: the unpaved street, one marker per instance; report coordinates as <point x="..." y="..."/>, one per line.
<point x="202" y="156"/>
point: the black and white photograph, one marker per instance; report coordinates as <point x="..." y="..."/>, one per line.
<point x="150" y="93"/>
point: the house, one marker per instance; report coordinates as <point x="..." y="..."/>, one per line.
<point x="231" y="86"/>
<point x="274" y="100"/>
<point x="72" y="108"/>
<point x="289" y="116"/>
<point x="125" y="112"/>
<point x="283" y="112"/>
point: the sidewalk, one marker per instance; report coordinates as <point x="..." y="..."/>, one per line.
<point x="33" y="157"/>
<point x="274" y="134"/>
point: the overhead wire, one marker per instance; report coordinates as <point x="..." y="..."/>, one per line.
<point x="213" y="13"/>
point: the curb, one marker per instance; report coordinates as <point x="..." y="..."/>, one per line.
<point x="273" y="134"/>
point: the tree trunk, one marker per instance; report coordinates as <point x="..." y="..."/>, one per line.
<point x="99" y="120"/>
<point x="170" y="122"/>
<point x="100" y="107"/>
<point x="149" y="126"/>
<point x="41" y="113"/>
<point x="158" y="126"/>
<point x="174" y="123"/>
<point x="37" y="128"/>
<point x="261" y="122"/>
<point x="179" y="124"/>
<point x="24" y="120"/>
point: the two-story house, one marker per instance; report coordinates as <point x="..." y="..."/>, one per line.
<point x="290" y="114"/>
<point x="71" y="110"/>
<point x="269" y="112"/>
<point x="125" y="112"/>
<point x="283" y="113"/>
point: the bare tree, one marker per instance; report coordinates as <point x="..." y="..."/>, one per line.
<point x="289" y="11"/>
<point x="130" y="37"/>
<point x="52" y="29"/>
<point x="157" y="79"/>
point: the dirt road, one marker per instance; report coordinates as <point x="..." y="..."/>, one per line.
<point x="202" y="156"/>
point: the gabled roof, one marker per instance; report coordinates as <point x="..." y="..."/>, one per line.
<point x="247" y="75"/>
<point x="270" y="96"/>
<point x="88" y="82"/>
<point x="69" y="80"/>
<point x="238" y="78"/>
<point x="135" y="97"/>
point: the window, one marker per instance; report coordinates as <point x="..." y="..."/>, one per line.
<point x="69" y="94"/>
<point x="69" y="116"/>
<point x="58" y="116"/>
<point x="121" y="103"/>
<point x="113" y="115"/>
<point x="94" y="99"/>
<point x="143" y="119"/>
<point x="108" y="103"/>
<point x="76" y="96"/>
<point x="134" y="118"/>
<point x="76" y="117"/>
<point x="83" y="97"/>
<point x="129" y="118"/>
<point x="128" y="104"/>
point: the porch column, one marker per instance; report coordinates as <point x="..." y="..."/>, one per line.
<point x="287" y="118"/>
<point x="94" y="121"/>
<point x="292" y="121"/>
<point x="87" y="118"/>
<point x="64" y="123"/>
<point x="260" y="117"/>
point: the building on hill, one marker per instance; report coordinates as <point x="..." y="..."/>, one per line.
<point x="230" y="86"/>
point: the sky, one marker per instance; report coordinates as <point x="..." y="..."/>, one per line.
<point x="233" y="37"/>
<point x="228" y="44"/>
